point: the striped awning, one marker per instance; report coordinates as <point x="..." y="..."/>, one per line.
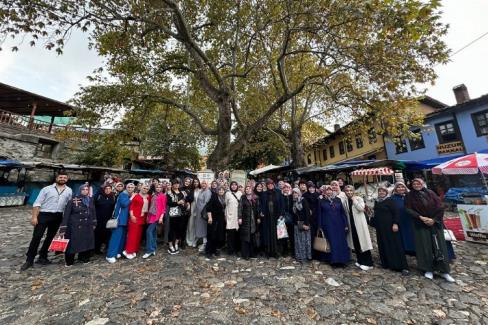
<point x="373" y="171"/>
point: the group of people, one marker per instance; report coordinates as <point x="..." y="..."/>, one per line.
<point x="260" y="218"/>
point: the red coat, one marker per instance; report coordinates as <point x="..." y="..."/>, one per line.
<point x="136" y="208"/>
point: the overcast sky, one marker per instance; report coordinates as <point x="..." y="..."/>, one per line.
<point x="59" y="77"/>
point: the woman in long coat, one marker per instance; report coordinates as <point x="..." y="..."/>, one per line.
<point x="386" y="220"/>
<point x="215" y="222"/>
<point x="405" y="223"/>
<point x="301" y="224"/>
<point x="358" y="237"/>
<point x="175" y="203"/>
<point x="425" y="207"/>
<point x="138" y="209"/>
<point x="271" y="209"/>
<point x="232" y="198"/>
<point x="332" y="219"/>
<point x="121" y="213"/>
<point x="287" y="198"/>
<point x="248" y="216"/>
<point x="191" y="237"/>
<point x="104" y="206"/>
<point x="202" y="200"/>
<point x="79" y="221"/>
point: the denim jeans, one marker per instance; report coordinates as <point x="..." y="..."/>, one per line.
<point x="151" y="237"/>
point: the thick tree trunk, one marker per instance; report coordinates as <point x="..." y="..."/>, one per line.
<point x="297" y="152"/>
<point x="221" y="156"/>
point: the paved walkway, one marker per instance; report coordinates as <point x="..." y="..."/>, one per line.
<point x="189" y="289"/>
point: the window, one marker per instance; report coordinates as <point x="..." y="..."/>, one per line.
<point x="341" y="148"/>
<point x="309" y="158"/>
<point x="44" y="150"/>
<point x="446" y="132"/>
<point x="372" y="137"/>
<point x="315" y="156"/>
<point x="359" y="142"/>
<point x="480" y="121"/>
<point x="417" y="142"/>
<point x="324" y="154"/>
<point x="331" y="152"/>
<point x="349" y="145"/>
<point x="401" y="145"/>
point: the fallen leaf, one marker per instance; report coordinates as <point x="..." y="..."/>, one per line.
<point x="371" y="321"/>
<point x="439" y="313"/>
<point x="275" y="313"/>
<point x="175" y="312"/>
<point x="37" y="284"/>
<point x="240" y="310"/>
<point x="312" y="314"/>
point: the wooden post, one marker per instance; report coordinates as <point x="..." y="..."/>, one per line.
<point x="33" y="113"/>
<point x="51" y="124"/>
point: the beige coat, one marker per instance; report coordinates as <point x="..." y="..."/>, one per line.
<point x="232" y="209"/>
<point x="362" y="229"/>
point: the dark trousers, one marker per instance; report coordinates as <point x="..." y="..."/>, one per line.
<point x="231" y="241"/>
<point x="210" y="246"/>
<point x="82" y="256"/>
<point x="102" y="236"/>
<point x="175" y="229"/>
<point x="247" y="248"/>
<point x="49" y="221"/>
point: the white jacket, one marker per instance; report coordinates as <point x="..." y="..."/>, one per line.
<point x="362" y="229"/>
<point x="232" y="209"/>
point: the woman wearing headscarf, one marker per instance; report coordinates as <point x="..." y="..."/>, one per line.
<point x="248" y="216"/>
<point x="79" y="221"/>
<point x="405" y="223"/>
<point x="287" y="199"/>
<point x="175" y="203"/>
<point x="104" y="206"/>
<point x="232" y="198"/>
<point x="425" y="207"/>
<point x="358" y="236"/>
<point x="332" y="219"/>
<point x="155" y="216"/>
<point x="214" y="186"/>
<point x="386" y="220"/>
<point x="121" y="213"/>
<point x="271" y="209"/>
<point x="258" y="190"/>
<point x="301" y="220"/>
<point x="215" y="222"/>
<point x="187" y="190"/>
<point x="138" y="209"/>
<point x="191" y="238"/>
<point x="201" y="214"/>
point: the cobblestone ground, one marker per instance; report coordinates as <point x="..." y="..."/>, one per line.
<point x="190" y="289"/>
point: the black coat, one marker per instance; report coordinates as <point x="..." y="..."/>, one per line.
<point x="216" y="230"/>
<point x="390" y="245"/>
<point x="248" y="213"/>
<point x="303" y="214"/>
<point x="78" y="223"/>
<point x="104" y="206"/>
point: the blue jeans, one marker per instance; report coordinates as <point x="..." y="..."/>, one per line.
<point x="151" y="237"/>
<point x="117" y="241"/>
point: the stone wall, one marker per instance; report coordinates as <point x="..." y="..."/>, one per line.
<point x="12" y="147"/>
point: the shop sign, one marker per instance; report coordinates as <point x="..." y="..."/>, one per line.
<point x="450" y="147"/>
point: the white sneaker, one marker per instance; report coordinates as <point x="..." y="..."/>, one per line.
<point x="176" y="247"/>
<point x="429" y="275"/>
<point x="201" y="248"/>
<point x="448" y="277"/>
<point x="357" y="264"/>
<point x="364" y="267"/>
<point x="148" y="255"/>
<point x="128" y="256"/>
<point x="133" y="255"/>
<point x="111" y="260"/>
<point x="119" y="256"/>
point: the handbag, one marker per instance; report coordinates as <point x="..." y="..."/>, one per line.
<point x="320" y="243"/>
<point x="112" y="223"/>
<point x="281" y="231"/>
<point x="175" y="211"/>
<point x="59" y="244"/>
<point x="449" y="235"/>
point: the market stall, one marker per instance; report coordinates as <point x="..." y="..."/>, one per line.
<point x="473" y="210"/>
<point x="369" y="189"/>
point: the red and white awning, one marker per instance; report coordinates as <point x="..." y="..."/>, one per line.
<point x="373" y="171"/>
<point x="467" y="165"/>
